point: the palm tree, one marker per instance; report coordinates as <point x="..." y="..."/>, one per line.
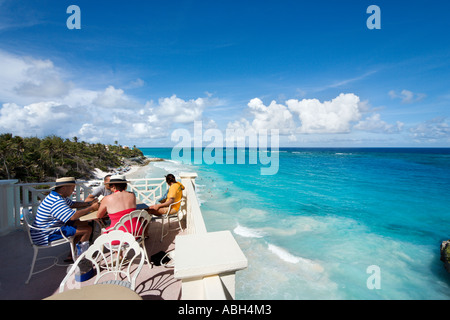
<point x="11" y="153"/>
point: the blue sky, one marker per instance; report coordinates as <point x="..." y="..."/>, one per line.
<point x="138" y="70"/>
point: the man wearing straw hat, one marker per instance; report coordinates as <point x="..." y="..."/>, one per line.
<point x="57" y="211"/>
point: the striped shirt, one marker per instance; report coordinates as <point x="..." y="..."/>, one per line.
<point x="53" y="212"/>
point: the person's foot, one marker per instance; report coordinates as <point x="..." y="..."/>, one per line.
<point x="68" y="259"/>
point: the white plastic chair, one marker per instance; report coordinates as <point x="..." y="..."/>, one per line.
<point x="128" y="224"/>
<point x="169" y="216"/>
<point x="115" y="261"/>
<point x="28" y="219"/>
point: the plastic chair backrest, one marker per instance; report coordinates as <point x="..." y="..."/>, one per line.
<point x="113" y="262"/>
<point x="134" y="223"/>
<point x="170" y="208"/>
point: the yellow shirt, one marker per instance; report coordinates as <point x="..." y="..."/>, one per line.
<point x="176" y="192"/>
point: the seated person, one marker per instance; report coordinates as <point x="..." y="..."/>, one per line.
<point x="104" y="190"/>
<point x="119" y="203"/>
<point x="174" y="195"/>
<point x="56" y="211"/>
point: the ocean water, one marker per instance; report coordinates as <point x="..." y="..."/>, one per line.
<point x="316" y="228"/>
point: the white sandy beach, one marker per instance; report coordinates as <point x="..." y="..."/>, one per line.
<point x="135" y="172"/>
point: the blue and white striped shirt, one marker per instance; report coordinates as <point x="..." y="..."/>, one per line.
<point x="53" y="212"/>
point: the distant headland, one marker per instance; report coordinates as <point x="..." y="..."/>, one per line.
<point x="32" y="159"/>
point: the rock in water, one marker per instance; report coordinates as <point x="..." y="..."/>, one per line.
<point x="445" y="254"/>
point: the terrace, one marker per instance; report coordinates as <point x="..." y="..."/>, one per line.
<point x="205" y="263"/>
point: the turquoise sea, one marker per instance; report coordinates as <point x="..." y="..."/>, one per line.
<point x="315" y="229"/>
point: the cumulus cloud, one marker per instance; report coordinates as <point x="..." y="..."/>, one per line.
<point x="266" y="121"/>
<point x="335" y="116"/>
<point x="179" y="110"/>
<point x="37" y="99"/>
<point x="111" y="98"/>
<point x="343" y="114"/>
<point x="407" y="96"/>
<point x="25" y="79"/>
<point x="274" y="116"/>
<point x="156" y="121"/>
<point x="42" y="118"/>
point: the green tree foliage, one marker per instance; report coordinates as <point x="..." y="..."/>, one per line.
<point x="35" y="160"/>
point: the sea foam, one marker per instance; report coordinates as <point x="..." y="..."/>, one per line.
<point x="248" y="232"/>
<point x="290" y="258"/>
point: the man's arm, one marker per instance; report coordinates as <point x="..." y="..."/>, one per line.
<point x="78" y="205"/>
<point x="164" y="204"/>
<point x="90" y="198"/>
<point x="95" y="193"/>
<point x="79" y="213"/>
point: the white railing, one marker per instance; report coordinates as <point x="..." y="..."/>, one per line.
<point x="14" y="197"/>
<point x="206" y="263"/>
<point x="148" y="191"/>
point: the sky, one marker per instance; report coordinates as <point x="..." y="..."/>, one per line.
<point x="136" y="71"/>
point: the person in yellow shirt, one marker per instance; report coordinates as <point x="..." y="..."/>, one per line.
<point x="173" y="196"/>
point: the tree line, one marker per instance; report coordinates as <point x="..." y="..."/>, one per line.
<point x="32" y="159"/>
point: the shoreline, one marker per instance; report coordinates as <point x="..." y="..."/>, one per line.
<point x="136" y="171"/>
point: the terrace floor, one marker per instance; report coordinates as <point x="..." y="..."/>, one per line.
<point x="16" y="254"/>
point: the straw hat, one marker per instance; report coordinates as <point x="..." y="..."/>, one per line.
<point x="68" y="181"/>
<point x="117" y="179"/>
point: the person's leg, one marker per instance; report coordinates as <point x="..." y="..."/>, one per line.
<point x="159" y="212"/>
<point x="69" y="230"/>
<point x="83" y="232"/>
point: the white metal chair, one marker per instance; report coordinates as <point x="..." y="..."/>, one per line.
<point x="169" y="216"/>
<point x="28" y="219"/>
<point x="129" y="223"/>
<point x="112" y="254"/>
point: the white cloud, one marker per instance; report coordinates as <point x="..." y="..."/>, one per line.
<point x="265" y="119"/>
<point x="157" y="121"/>
<point x="138" y="83"/>
<point x="179" y="110"/>
<point x="90" y="133"/>
<point x="437" y="129"/>
<point x="335" y="116"/>
<point x="407" y="96"/>
<point x="274" y="116"/>
<point x="374" y="124"/>
<point x="37" y="100"/>
<point x="23" y="80"/>
<point x="42" y="118"/>
<point x="342" y="115"/>
<point x="110" y="98"/>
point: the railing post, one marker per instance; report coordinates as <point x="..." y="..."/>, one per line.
<point x="206" y="264"/>
<point x="190" y="176"/>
